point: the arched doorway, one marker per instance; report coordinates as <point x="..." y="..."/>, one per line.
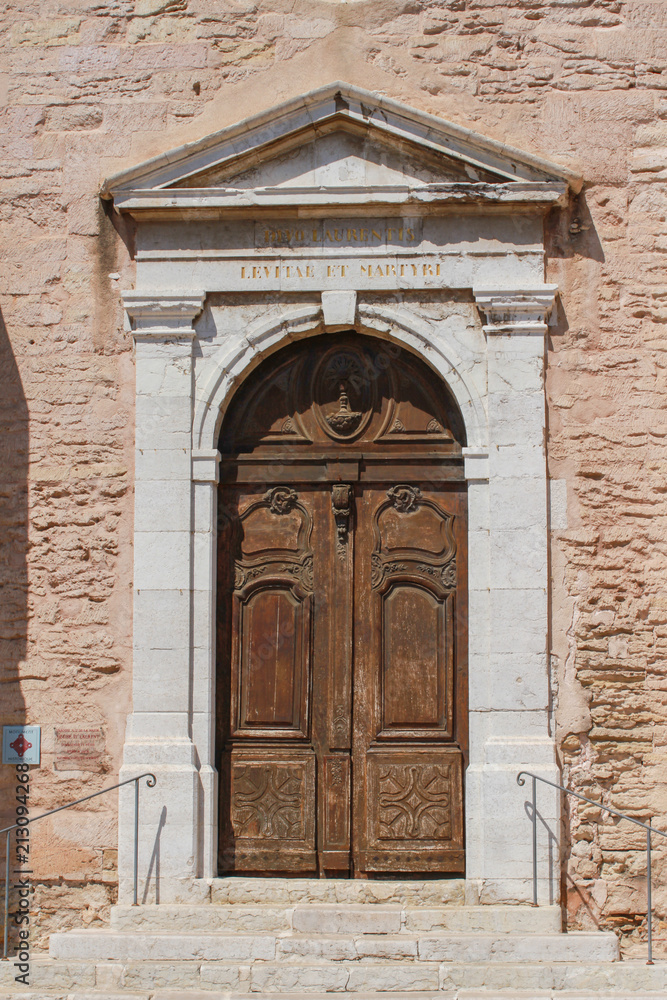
<point x="342" y="614"/>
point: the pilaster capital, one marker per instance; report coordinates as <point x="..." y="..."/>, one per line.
<point x="161" y="314"/>
<point x="205" y="465"/>
<point x="515" y="310"/>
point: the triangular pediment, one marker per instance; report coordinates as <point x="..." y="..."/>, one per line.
<point x="334" y="146"/>
<point x="341" y="158"/>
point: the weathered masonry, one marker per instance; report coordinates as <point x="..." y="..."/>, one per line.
<point x="339" y="317"/>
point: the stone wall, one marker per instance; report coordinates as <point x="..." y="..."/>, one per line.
<point x="90" y="88"/>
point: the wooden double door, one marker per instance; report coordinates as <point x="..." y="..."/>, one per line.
<point x="341" y="622"/>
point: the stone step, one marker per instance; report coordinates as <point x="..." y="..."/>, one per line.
<point x="208" y="919"/>
<point x="459" y="994"/>
<point x="451" y="948"/>
<point x="286" y="891"/>
<point x="249" y="919"/>
<point x="402" y="949"/>
<point x="633" y="981"/>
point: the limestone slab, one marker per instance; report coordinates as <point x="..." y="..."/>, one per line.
<point x="347" y="920"/>
<point x="324" y="978"/>
<point x="576" y="947"/>
<point x="209" y="918"/>
<point x="120" y="946"/>
<point x="437" y="892"/>
<point x="485" y="919"/>
<point x="393" y="976"/>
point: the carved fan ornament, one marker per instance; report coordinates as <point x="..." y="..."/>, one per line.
<point x="347" y="389"/>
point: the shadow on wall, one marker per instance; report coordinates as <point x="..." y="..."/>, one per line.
<point x="13" y="556"/>
<point x="572" y="233"/>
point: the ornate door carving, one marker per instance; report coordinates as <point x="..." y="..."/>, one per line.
<point x="409" y="593"/>
<point x="342" y="727"/>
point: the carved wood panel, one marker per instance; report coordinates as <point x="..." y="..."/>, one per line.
<point x="270" y="822"/>
<point x="409" y="730"/>
<point x="335" y="818"/>
<point x="414" y="813"/>
<point x="342" y="726"/>
<point x="271" y="616"/>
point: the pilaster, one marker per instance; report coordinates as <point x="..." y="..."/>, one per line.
<point x="205" y="476"/>
<point x="159" y="732"/>
<point x="509" y="700"/>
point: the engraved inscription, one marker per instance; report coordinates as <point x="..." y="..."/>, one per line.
<point x="415" y="802"/>
<point x="334" y="232"/>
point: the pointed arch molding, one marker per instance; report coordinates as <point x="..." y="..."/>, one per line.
<point x="338" y="210"/>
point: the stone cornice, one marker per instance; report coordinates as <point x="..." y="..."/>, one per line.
<point x="163" y="314"/>
<point x="515" y="310"/>
<point x="214" y="203"/>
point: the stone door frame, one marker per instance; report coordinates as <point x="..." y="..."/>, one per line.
<point x="178" y="420"/>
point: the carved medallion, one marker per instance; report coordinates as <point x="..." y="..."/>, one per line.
<point x="404" y="498"/>
<point x="281" y="499"/>
<point x="343" y="394"/>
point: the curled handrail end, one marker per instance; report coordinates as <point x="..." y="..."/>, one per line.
<point x="520" y="779"/>
<point x="151" y="780"/>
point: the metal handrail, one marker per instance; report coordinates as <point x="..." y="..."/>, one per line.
<point x="521" y="780"/>
<point x="151" y="781"/>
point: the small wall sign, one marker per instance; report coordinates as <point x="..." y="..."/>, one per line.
<point x="79" y="749"/>
<point x="21" y="744"/>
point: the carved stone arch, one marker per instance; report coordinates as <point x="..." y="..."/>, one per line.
<point x="230" y="366"/>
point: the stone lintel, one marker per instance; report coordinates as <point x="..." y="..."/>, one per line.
<point x="515" y="310"/>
